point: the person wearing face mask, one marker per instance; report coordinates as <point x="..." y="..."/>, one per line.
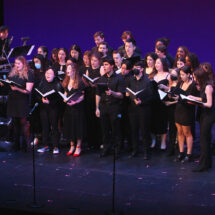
<point x="140" y="111"/>
<point x="49" y="111"/>
<point x="38" y="66"/>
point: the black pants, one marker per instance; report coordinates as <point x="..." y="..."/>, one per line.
<point x="20" y="128"/>
<point x="206" y="122"/>
<point x="140" y="119"/>
<point x="111" y="129"/>
<point x="49" y="119"/>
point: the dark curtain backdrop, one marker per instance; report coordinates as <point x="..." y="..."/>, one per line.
<point x="63" y="23"/>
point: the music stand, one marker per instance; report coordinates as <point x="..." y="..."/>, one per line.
<point x="21" y="50"/>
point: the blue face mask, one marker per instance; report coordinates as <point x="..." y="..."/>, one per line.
<point x="37" y="65"/>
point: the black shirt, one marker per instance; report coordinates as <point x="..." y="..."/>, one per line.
<point x="115" y="83"/>
<point x="142" y="83"/>
<point x="18" y="103"/>
<point x="46" y="86"/>
<point x="58" y="69"/>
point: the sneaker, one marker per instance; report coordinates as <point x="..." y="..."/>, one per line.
<point x="56" y="151"/>
<point x="44" y="149"/>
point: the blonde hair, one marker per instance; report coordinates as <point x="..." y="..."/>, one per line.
<point x="24" y="73"/>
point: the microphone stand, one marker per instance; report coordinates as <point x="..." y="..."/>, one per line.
<point x="113" y="211"/>
<point x="35" y="203"/>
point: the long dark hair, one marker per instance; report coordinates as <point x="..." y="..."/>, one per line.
<point x="164" y="64"/>
<point x="202" y="78"/>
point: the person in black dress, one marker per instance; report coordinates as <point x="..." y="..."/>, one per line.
<point x="94" y="134"/>
<point x="185" y="114"/>
<point x="18" y="100"/>
<point x="207" y="117"/>
<point x="49" y="111"/>
<point x="60" y="67"/>
<point x="74" y="119"/>
<point x="108" y="107"/>
<point x="159" y="110"/>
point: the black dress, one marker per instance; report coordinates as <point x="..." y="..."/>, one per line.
<point x="207" y="120"/>
<point x="94" y="136"/>
<point x="74" y="118"/>
<point x="159" y="113"/>
<point x="18" y="103"/>
<point x="184" y="112"/>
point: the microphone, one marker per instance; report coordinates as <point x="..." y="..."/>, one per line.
<point x="10" y="40"/>
<point x="25" y="38"/>
<point x="32" y="110"/>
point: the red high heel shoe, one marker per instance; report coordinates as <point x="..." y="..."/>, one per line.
<point x="76" y="154"/>
<point x="70" y="152"/>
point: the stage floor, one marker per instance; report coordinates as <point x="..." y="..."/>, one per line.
<point x="83" y="185"/>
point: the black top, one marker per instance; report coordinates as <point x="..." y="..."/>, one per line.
<point x="46" y="86"/>
<point x="18" y="103"/>
<point x="59" y="68"/>
<point x="184" y="112"/>
<point x="133" y="59"/>
<point x="204" y="99"/>
<point x="115" y="83"/>
<point x="142" y="83"/>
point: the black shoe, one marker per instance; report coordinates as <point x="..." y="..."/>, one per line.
<point x="180" y="157"/>
<point x="187" y="159"/>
